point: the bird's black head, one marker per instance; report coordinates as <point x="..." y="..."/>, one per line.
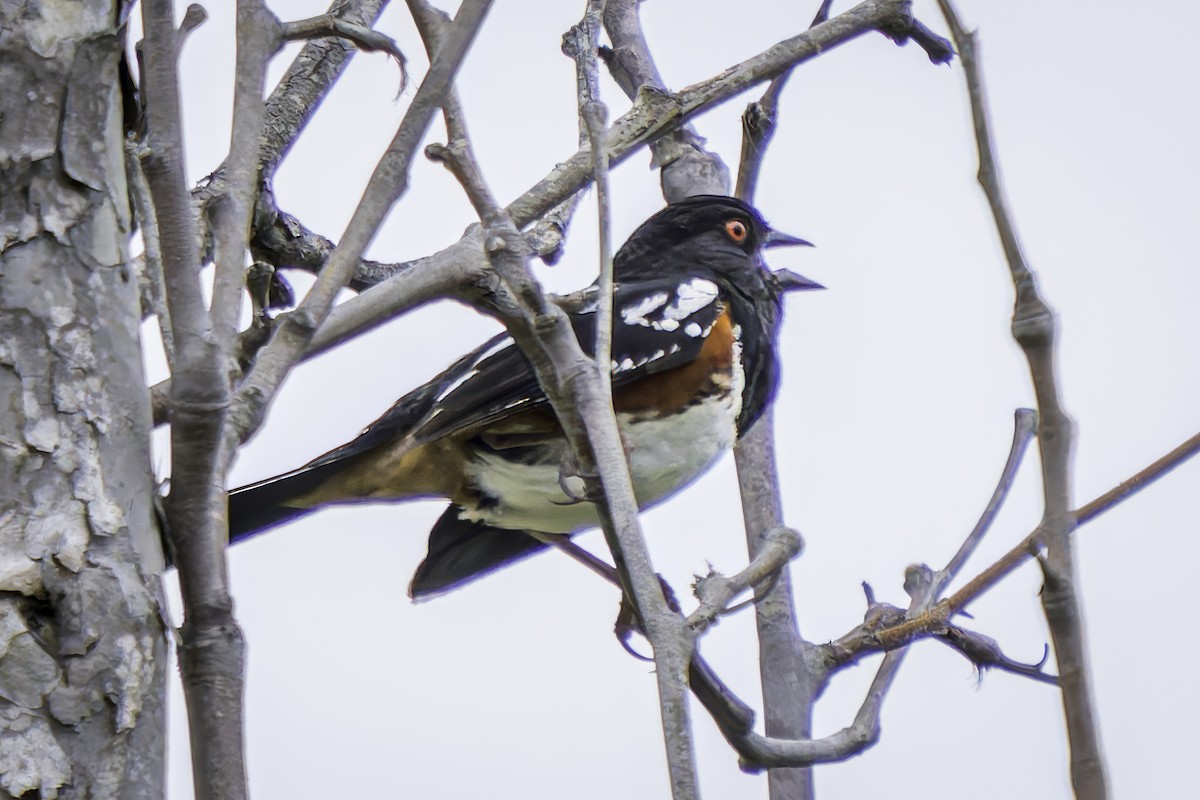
<point x="706" y="233"/>
<point x="722" y="238"/>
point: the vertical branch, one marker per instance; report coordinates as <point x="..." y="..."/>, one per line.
<point x="791" y="682"/>
<point x="594" y="116"/>
<point x="139" y="193"/>
<point x="1034" y="327"/>
<point x="791" y="677"/>
<point x="258" y="33"/>
<point x="211" y="650"/>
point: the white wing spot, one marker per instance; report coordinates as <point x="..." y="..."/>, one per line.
<point x="624" y="365"/>
<point x="690" y="297"/>
<point x="636" y="314"/>
<point x="471" y="373"/>
<point x="692" y="329"/>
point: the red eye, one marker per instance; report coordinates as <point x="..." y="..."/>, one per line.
<point x="736" y="230"/>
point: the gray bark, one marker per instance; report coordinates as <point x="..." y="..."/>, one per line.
<point x="82" y="646"/>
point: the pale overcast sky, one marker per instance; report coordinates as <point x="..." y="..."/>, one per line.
<point x="895" y="414"/>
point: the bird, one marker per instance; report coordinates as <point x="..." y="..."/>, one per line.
<point x="696" y="315"/>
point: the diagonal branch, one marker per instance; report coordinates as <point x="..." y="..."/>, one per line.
<point x="334" y="24"/>
<point x="388" y="183"/>
<point x="1028" y="547"/>
<point x="935" y="619"/>
<point x="686" y="167"/>
<point x="652" y="115"/>
<point x="576" y="389"/>
<point x="1024" y="429"/>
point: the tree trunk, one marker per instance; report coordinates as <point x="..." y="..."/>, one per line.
<point x="82" y="646"/>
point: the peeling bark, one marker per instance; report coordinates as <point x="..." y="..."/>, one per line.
<point x="82" y="647"/>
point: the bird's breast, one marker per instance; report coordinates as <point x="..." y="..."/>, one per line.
<point x="674" y="426"/>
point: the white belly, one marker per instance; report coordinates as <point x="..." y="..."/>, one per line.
<point x="665" y="455"/>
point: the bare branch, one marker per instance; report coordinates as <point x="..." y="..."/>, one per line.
<point x="985" y="653"/>
<point x="934" y="621"/>
<point x="332" y="24"/>
<point x="258" y="33"/>
<point x="308" y="80"/>
<point x="1131" y="486"/>
<point x="791" y="681"/>
<point x="1024" y="429"/>
<point x="715" y="591"/>
<point x="733" y="717"/>
<point x="299" y="94"/>
<point x="389" y="182"/>
<point x="212" y="649"/>
<point x="579" y="44"/>
<point x="1034" y="327"/>
<point x="150" y="265"/>
<point x="651" y="116"/>
<point x="686" y="167"/>
<point x="595" y="121"/>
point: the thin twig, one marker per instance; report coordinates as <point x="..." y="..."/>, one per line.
<point x="1024" y="429"/>
<point x="258" y="39"/>
<point x="1128" y="488"/>
<point x="985" y="653"/>
<point x="332" y="24"/>
<point x="1028" y="546"/>
<point x="1034" y="327"/>
<point x="150" y="265"/>
<point x="715" y="591"/>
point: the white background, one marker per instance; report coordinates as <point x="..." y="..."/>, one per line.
<point x="894" y="416"/>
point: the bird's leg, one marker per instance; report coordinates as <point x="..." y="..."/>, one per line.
<point x="628" y="623"/>
<point x="573" y="482"/>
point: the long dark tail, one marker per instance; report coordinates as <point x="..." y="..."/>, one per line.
<point x="261" y="506"/>
<point x="461" y="551"/>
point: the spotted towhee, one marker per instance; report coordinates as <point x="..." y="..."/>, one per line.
<point x="693" y="365"/>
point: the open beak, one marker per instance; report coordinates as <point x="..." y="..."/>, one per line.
<point x="780" y="239"/>
<point x="794" y="282"/>
<point x="790" y="281"/>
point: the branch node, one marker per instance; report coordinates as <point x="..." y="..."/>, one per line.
<point x="917" y="578"/>
<point x="1034" y="324"/>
